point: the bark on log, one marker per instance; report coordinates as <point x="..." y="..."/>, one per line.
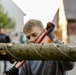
<point x="10" y="51"/>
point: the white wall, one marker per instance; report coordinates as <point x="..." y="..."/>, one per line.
<point x="17" y="15"/>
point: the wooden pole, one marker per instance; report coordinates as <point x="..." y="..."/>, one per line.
<point x="10" y="51"/>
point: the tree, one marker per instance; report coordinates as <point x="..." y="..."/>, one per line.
<point x="5" y="20"/>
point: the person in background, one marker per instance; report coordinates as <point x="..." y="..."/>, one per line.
<point x="4" y="32"/>
<point x="4" y="38"/>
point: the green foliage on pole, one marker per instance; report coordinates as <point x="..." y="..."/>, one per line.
<point x="5" y="20"/>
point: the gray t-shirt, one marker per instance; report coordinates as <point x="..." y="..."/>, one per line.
<point x="46" y="67"/>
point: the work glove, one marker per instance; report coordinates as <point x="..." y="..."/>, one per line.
<point x="12" y="71"/>
<point x="50" y="32"/>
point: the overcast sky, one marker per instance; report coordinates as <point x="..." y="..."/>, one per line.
<point x="44" y="10"/>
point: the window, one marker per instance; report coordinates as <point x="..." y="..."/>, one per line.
<point x="71" y="27"/>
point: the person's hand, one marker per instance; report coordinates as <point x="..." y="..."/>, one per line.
<point x="50" y="30"/>
<point x="50" y="24"/>
<point x="12" y="71"/>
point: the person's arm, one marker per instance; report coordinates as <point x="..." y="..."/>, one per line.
<point x="53" y="38"/>
<point x="68" y="65"/>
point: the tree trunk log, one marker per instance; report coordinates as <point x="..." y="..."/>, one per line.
<point x="11" y="51"/>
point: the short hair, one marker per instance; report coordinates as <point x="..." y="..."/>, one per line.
<point x="32" y="23"/>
